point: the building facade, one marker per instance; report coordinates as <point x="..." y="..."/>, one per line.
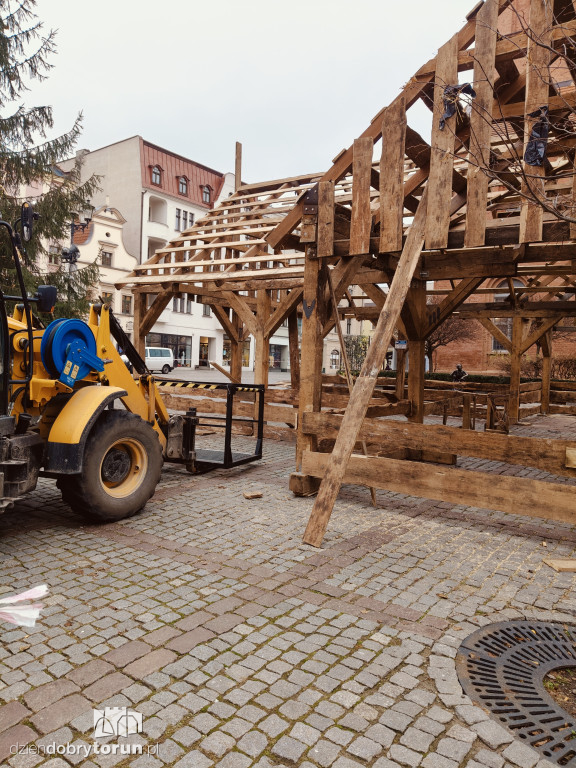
<point x="156" y="194"/>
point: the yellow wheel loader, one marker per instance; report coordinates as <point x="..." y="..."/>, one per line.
<point x="71" y="410"/>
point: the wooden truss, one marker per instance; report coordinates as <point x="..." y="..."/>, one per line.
<point x="394" y="215"/>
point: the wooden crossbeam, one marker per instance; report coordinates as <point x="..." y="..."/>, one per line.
<point x="494" y="331"/>
<point x="366" y="381"/>
<point x="284" y="308"/>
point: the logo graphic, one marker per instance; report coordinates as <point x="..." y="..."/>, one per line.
<point x="116" y="721"/>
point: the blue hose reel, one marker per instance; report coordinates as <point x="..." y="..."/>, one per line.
<point x="68" y="351"/>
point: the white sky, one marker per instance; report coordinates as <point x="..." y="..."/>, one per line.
<point x="294" y="80"/>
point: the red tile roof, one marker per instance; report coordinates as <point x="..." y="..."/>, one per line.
<point x="174" y="166"/>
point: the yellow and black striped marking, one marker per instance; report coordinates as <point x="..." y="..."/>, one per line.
<point x="205" y="385"/>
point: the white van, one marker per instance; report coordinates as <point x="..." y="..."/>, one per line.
<point x="159" y="359"/>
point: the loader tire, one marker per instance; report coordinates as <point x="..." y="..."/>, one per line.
<point x="121" y="469"/>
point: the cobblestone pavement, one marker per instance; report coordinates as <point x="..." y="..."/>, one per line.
<point x="243" y="647"/>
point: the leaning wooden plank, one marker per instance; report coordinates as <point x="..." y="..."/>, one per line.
<point x="481" y="122"/>
<point x="366" y="381"/>
<point x="516" y="495"/>
<point x="442" y="155"/>
<point x="361" y="223"/>
<point x="545" y="454"/>
<point x="537" y="87"/>
<point x="392" y="177"/>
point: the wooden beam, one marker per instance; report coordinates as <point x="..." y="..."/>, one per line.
<point x="310" y="374"/>
<point x="365" y="383"/>
<point x="244" y="312"/>
<point x="546" y="344"/>
<point x="537" y="87"/>
<point x="155" y="310"/>
<point x="546" y="454"/>
<point x="515" y="369"/>
<point x="139" y="312"/>
<point x="481" y="123"/>
<point x="294" y="350"/>
<point x="325" y="241"/>
<point x="284" y="308"/>
<point x="361" y="223"/>
<point x="238" y="167"/>
<point x="538" y="333"/>
<point x="443" y="144"/>
<point x="225" y="372"/>
<point x="392" y="177"/>
<point x="438" y="313"/>
<point x="223" y="318"/>
<point x="516" y="495"/>
<point x="492" y="329"/>
<point x="262" y="340"/>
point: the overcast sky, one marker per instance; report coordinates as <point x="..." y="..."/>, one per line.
<point x="294" y="81"/>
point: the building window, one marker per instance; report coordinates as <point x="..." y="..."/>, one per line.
<point x="157" y="175"/>
<point x="184" y="219"/>
<point x="53" y="255"/>
<point x="106" y="297"/>
<point x="126" y="305"/>
<point x="335" y="359"/>
<point x="206" y="194"/>
<point x="178" y="226"/>
<point x="183" y="185"/>
<point x="206" y="310"/>
<point x="106" y="258"/>
<point x="190" y="219"/>
<point x="348" y="327"/>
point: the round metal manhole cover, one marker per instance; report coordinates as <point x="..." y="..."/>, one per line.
<point x="502" y="668"/>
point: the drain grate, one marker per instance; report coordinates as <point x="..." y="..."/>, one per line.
<point x="502" y="667"/>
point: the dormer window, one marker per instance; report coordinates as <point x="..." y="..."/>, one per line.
<point x="182" y="185"/>
<point x="157" y="175"/>
<point x="207" y="194"/>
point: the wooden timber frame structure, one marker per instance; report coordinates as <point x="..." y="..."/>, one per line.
<point x="393" y="215"/>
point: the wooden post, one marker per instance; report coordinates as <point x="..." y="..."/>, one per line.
<point x="392" y="176"/>
<point x="311" y="340"/>
<point x="325" y="244"/>
<point x="481" y="122"/>
<point x="546" y="343"/>
<point x="537" y="87"/>
<point x="416" y="376"/>
<point x="262" y="352"/>
<point x="515" y="364"/>
<point x="238" y="167"/>
<point x="236" y="349"/>
<point x="294" y="349"/>
<point x="139" y="312"/>
<point x="466" y="415"/>
<point x="361" y="222"/>
<point x="416" y="309"/>
<point x="400" y="373"/>
<point x="364" y="387"/>
<point x="442" y="155"/>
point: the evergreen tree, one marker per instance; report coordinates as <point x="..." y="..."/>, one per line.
<point x="29" y="159"/>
